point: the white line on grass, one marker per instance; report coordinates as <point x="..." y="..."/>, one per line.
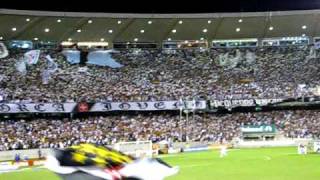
<point x="196" y="165"/>
<point x="267" y="158"/>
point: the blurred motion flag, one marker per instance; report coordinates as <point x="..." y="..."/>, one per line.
<point x="3" y="51"/>
<point x="52" y="66"/>
<point x="103" y="58"/>
<point x="45" y="75"/>
<point x="317" y="45"/>
<point x="32" y="57"/>
<point x="21" y="67"/>
<point x="91" y="162"/>
<point x="73" y="56"/>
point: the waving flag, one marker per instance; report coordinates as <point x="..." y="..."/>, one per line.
<point x="73" y="56"/>
<point x="317" y="45"/>
<point x="87" y="161"/>
<point x="45" y="75"/>
<point x="103" y="58"/>
<point x="21" y="67"/>
<point x="3" y="51"/>
<point x="52" y="66"/>
<point x="32" y="56"/>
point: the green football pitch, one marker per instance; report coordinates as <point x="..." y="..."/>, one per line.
<point x="242" y="164"/>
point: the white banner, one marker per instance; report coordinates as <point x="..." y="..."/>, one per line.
<point x="243" y="102"/>
<point x="148" y="106"/>
<point x="37" y="107"/>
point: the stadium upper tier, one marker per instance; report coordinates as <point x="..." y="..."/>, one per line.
<point x="150" y="75"/>
<point x="61" y="26"/>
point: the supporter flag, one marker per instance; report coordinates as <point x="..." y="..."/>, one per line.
<point x="21" y="67"/>
<point x="103" y="58"/>
<point x="250" y="57"/>
<point x="87" y="161"/>
<point x="52" y="66"/>
<point x="317" y="45"/>
<point x="233" y="62"/>
<point x="32" y="56"/>
<point x="223" y="59"/>
<point x="3" y="51"/>
<point x="45" y="77"/>
<point x="73" y="56"/>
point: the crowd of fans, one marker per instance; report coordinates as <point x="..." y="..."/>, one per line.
<point x="264" y="72"/>
<point x="150" y="75"/>
<point x="215" y="128"/>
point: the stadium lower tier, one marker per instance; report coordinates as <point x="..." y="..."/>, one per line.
<point x="104" y="130"/>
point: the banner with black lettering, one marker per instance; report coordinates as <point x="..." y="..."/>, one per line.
<point x="37" y="107"/>
<point x="148" y="106"/>
<point x="229" y="103"/>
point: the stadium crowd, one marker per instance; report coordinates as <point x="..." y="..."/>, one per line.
<point x="215" y="128"/>
<point x="147" y="75"/>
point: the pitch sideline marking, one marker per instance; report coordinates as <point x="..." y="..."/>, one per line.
<point x="196" y="165"/>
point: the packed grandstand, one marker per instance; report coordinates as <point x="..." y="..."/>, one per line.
<point x="222" y="75"/>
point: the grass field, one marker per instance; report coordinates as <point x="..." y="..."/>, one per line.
<point x="243" y="164"/>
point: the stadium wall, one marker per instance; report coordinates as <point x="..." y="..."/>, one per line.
<point x="274" y="143"/>
<point x="30" y="153"/>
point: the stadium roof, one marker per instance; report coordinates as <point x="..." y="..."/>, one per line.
<point x="114" y="27"/>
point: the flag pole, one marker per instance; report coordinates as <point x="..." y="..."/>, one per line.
<point x="180" y="116"/>
<point x="187" y="116"/>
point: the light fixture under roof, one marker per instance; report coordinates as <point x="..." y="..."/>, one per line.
<point x="202" y="39"/>
<point x="46" y="30"/>
<point x="304" y="27"/>
<point x="119" y="22"/>
<point x="142" y="31"/>
<point x="174" y="30"/>
<point x="240" y="20"/>
<point x="303" y="35"/>
<point x="197" y="41"/>
<point x="180" y="22"/>
<point x="186" y="41"/>
<point x="169" y="39"/>
<point x="1" y="38"/>
<point x="237" y="29"/>
<point x="14" y="29"/>
<point x="69" y="39"/>
<point x="102" y="39"/>
<point x="90" y="21"/>
<point x="110" y="31"/>
<point x="205" y="30"/>
<point x="135" y="39"/>
<point x="270" y="28"/>
<point x="27" y="19"/>
<point x="149" y="22"/>
<point x="59" y="20"/>
<point x="79" y="30"/>
<point x="209" y="21"/>
<point x="36" y="39"/>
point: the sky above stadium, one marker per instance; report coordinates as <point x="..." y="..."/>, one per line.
<point x="163" y="6"/>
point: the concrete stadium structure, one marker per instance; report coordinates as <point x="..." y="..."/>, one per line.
<point x="113" y="27"/>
